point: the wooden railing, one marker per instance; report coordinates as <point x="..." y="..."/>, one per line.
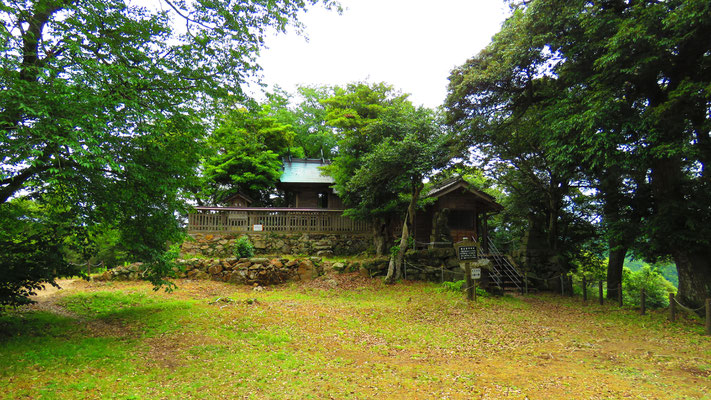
<point x="231" y="219"/>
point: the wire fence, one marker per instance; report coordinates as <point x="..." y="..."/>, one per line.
<point x="567" y="285"/>
<point x="683" y="307"/>
<point x="87" y="266"/>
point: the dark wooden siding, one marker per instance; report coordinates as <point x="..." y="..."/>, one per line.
<point x="465" y="203"/>
<point x="307" y="195"/>
<point x="334" y="202"/>
<point x="307" y="199"/>
<point x="423" y="225"/>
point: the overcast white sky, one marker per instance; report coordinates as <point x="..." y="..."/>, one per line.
<point x="411" y="44"/>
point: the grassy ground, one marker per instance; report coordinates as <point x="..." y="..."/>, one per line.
<point x="341" y="336"/>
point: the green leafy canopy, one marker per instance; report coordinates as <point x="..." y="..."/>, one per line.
<point x="103" y="102"/>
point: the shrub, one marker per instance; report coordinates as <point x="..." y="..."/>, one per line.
<point x="243" y="247"/>
<point x="459" y="286"/>
<point x="396" y="248"/>
<point x="656" y="288"/>
<point x="453" y="286"/>
<point x="32" y="250"/>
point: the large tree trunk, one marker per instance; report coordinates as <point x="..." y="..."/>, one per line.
<point x="395" y="268"/>
<point x="379" y="237"/>
<point x="620" y="235"/>
<point x="694" y="277"/>
<point x="396" y="260"/>
<point x="557" y="188"/>
<point x="619" y="242"/>
<point x="692" y="258"/>
<point x="614" y="267"/>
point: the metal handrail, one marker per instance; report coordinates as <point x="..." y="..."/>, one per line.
<point x="508" y="269"/>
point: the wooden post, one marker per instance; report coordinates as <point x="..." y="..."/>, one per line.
<point x="468" y="280"/>
<point x="571" y="292"/>
<point x="485" y="235"/>
<point x="600" y="285"/>
<point x="562" y="285"/>
<point x="672" y="307"/>
<point x="619" y="294"/>
<point x="708" y="316"/>
<point x="644" y="299"/>
<point x="585" y="289"/>
<point x="525" y="280"/>
<point x="475" y="285"/>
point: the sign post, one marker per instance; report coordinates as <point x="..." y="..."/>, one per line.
<point x="476" y="273"/>
<point x="467" y="253"/>
<point x="468" y="278"/>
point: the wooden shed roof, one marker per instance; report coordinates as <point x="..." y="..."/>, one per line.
<point x="457" y="183"/>
<point x="235" y="196"/>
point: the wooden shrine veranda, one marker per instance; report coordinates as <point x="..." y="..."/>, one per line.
<point x="242" y="219"/>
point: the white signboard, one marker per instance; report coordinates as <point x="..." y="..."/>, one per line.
<point x="476" y="273"/>
<point x="258" y="227"/>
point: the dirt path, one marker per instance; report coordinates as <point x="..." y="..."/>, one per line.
<point x="46" y="298"/>
<point x="50" y="290"/>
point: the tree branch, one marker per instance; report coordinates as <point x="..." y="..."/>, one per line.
<point x="187" y="18"/>
<point x="15" y="183"/>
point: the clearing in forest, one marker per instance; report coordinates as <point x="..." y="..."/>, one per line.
<point x="341" y="336"/>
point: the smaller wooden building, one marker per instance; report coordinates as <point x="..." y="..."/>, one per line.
<point x="306" y="186"/>
<point x="459" y="212"/>
<point x="238" y="200"/>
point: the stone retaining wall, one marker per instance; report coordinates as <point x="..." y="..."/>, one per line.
<point x="262" y="271"/>
<point x="426" y="265"/>
<point x="322" y="245"/>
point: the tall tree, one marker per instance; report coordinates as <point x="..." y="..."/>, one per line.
<point x="245" y="156"/>
<point x="246" y="148"/>
<point x="414" y="145"/>
<point x="499" y="102"/>
<point x="632" y="87"/>
<point x="312" y="136"/>
<point x="355" y="112"/>
<point x="387" y="147"/>
<point x="96" y="97"/>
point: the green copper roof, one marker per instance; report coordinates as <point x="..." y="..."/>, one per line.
<point x="300" y="170"/>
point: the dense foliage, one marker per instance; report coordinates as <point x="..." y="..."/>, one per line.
<point x="611" y="96"/>
<point x="386" y="148"/>
<point x="247" y="149"/>
<point x="31" y="242"/>
<point x="100" y="114"/>
<point x="244" y="152"/>
<point x="655" y="287"/>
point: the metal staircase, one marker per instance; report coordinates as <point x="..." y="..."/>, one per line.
<point x="504" y="274"/>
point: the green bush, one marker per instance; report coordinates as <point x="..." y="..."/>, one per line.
<point x="453" y="286"/>
<point x="655" y="286"/>
<point x="459" y="286"/>
<point x="396" y="248"/>
<point x="32" y="250"/>
<point x="243" y="247"/>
